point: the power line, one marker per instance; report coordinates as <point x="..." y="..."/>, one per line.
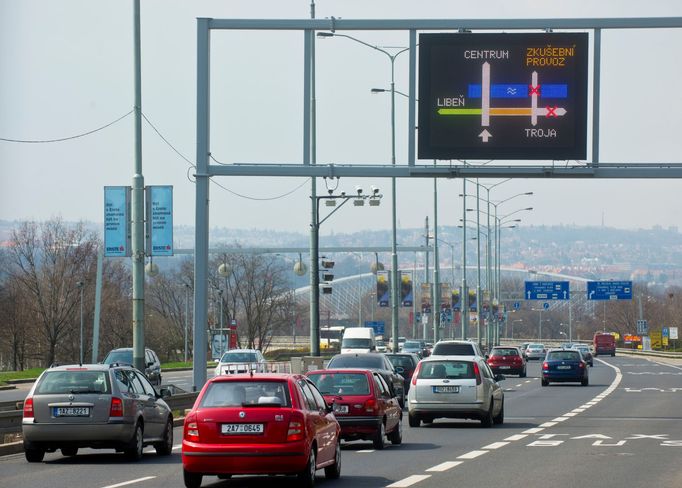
<point x="61" y="139"/>
<point x="167" y="142"/>
<point x="259" y="199"/>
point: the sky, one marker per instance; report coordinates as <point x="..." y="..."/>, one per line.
<point x="66" y="68"/>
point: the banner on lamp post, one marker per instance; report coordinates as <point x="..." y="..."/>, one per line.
<point x="445" y="297"/>
<point x="426" y="298"/>
<point x="117" y="221"/>
<point x="383" y="288"/>
<point x="159" y="220"/>
<point x="406" y="289"/>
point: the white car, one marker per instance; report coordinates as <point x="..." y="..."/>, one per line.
<point x="241" y="361"/>
<point x="455" y="387"/>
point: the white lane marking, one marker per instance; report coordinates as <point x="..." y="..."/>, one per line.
<point x="409" y="481"/>
<point x="559" y="419"/>
<point x="365" y="450"/>
<point x="519" y="385"/>
<point x="569" y="414"/>
<point x="471" y="455"/>
<point x="177" y="446"/>
<point x="527" y="381"/>
<point x="578" y="410"/>
<point x="516" y="437"/>
<point x="534" y="430"/>
<point x="548" y="424"/>
<point x="495" y="445"/>
<point x="138" y="480"/>
<point x="445" y="466"/>
<point x="664" y="364"/>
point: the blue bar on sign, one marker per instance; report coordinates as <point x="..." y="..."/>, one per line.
<point x="519" y="90"/>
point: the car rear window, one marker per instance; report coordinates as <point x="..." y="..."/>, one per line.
<point x="239" y="357"/>
<point x="504" y="352"/>
<point x="454" y="350"/>
<point x="376" y="361"/>
<point x="402" y="361"/>
<point x="341" y="383"/>
<point x="438" y="370"/>
<point x="246" y="394"/>
<point x="121" y="357"/>
<point x="412" y="344"/>
<point x="61" y="382"/>
<point x="563" y="356"/>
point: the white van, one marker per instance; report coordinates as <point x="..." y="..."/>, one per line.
<point x="358" y="339"/>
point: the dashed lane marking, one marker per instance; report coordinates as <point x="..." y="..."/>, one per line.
<point x="495" y="445"/>
<point x="445" y="466"/>
<point x="471" y="455"/>
<point x="548" y="424"/>
<point x="409" y="481"/>
<point x="365" y="451"/>
<point x="138" y="480"/>
<point x="534" y="430"/>
<point x="516" y="437"/>
<point x="559" y="419"/>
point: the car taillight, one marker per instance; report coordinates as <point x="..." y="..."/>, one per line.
<point x="191" y="428"/>
<point x="477" y="372"/>
<point x="582" y="365"/>
<point x="416" y="373"/>
<point x="295" y="432"/>
<point x="545" y="365"/>
<point x="116" y="409"/>
<point x="28" y="408"/>
<point x="370" y="405"/>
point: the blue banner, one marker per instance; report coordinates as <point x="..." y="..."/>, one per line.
<point x="117" y="221"/>
<point x="160" y="220"/>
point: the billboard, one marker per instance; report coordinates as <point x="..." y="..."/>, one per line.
<point x="503" y="96"/>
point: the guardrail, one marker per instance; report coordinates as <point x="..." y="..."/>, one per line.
<point x="658" y="354"/>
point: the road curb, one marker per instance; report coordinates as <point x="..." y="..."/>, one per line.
<point x="7" y="387"/>
<point x="11" y="448"/>
<point x="19" y="382"/>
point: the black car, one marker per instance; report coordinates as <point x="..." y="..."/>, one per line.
<point x="124" y="355"/>
<point x="375" y="362"/>
<point x="585" y="351"/>
<point x="407" y="361"/>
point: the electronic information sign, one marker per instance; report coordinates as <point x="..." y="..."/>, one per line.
<point x="503" y="96"/>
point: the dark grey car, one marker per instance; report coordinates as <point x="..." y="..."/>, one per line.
<point x="124" y="355"/>
<point x="95" y="406"/>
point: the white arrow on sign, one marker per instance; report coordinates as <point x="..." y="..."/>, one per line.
<point x="485" y="135"/>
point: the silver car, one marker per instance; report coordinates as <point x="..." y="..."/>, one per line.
<point x="241" y="361"/>
<point x="95" y="406"/>
<point x="455" y="387"/>
<point x="535" y="351"/>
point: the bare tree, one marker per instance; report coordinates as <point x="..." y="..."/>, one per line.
<point x="16" y="319"/>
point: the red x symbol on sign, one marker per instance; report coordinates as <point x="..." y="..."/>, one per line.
<point x="534" y="90"/>
<point x="551" y="111"/>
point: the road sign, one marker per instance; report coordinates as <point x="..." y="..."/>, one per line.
<point x="609" y="290"/>
<point x="665" y="331"/>
<point x="377" y="325"/>
<point x="517" y="305"/>
<point x="673" y="333"/>
<point x="547" y="290"/>
<point x="642" y="327"/>
<point x="503" y="96"/>
<point x="545" y="306"/>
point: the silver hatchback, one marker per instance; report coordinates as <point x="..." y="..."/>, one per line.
<point x="95" y="406"/>
<point x="455" y="387"/>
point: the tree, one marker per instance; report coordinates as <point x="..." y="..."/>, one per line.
<point x="47" y="261"/>
<point x="16" y="319"/>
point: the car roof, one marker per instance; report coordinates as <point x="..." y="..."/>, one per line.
<point x="559" y="349"/>
<point x="340" y="370"/>
<point x="359" y="354"/>
<point x="255" y="377"/>
<point x="85" y="367"/>
<point x="127" y="349"/>
<point x="242" y="350"/>
<point x="452" y="358"/>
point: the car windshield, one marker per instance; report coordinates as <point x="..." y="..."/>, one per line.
<point x="61" y="382"/>
<point x="401" y="361"/>
<point x="356" y="343"/>
<point x="563" y="356"/>
<point x="369" y="361"/>
<point x="412" y="345"/>
<point x="504" y="352"/>
<point x="447" y="370"/>
<point x="122" y="357"/>
<point x="453" y="350"/>
<point x="239" y="357"/>
<point x="246" y="394"/>
<point x="341" y="383"/>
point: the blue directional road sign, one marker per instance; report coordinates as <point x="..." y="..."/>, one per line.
<point x="547" y="290"/>
<point x="609" y="290"/>
<point x="545" y="306"/>
<point x="378" y="326"/>
<point x="517" y="305"/>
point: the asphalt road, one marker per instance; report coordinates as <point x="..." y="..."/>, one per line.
<point x="623" y="430"/>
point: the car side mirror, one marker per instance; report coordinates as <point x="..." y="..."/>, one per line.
<point x="500" y="377"/>
<point x="399" y="369"/>
<point x="165" y="393"/>
<point x="150" y="363"/>
<point x="330" y="408"/>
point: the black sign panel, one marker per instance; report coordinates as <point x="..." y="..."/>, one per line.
<point x="503" y="96"/>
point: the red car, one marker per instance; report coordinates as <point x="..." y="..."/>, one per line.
<point x="363" y="404"/>
<point x="261" y="423"/>
<point x="507" y="360"/>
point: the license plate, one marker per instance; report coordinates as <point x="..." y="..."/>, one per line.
<point x="563" y="367"/>
<point x="504" y="367"/>
<point x="446" y="389"/>
<point x="242" y="428"/>
<point x="340" y="408"/>
<point x="71" y="411"/>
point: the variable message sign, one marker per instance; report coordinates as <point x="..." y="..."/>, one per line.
<point x="503" y="96"/>
<point x="547" y="290"/>
<point x="609" y="290"/>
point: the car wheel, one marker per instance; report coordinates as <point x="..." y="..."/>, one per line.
<point x="427" y="421"/>
<point x="591" y="364"/>
<point x="192" y="480"/>
<point x="34" y="455"/>
<point x="136" y="445"/>
<point x="487" y="418"/>
<point x="380" y="437"/>
<point x="499" y="418"/>
<point x="522" y="374"/>
<point x="585" y="382"/>
<point x="165" y="447"/>
<point x="334" y="471"/>
<point x="544" y="382"/>
<point x="69" y="451"/>
<point x="396" y="437"/>
<point x="306" y="478"/>
<point x="413" y="420"/>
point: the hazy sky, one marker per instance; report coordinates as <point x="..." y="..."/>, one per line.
<point x="66" y="67"/>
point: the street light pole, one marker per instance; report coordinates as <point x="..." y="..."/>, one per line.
<point x="185" y="356"/>
<point x="80" y="286"/>
<point x="465" y="292"/>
